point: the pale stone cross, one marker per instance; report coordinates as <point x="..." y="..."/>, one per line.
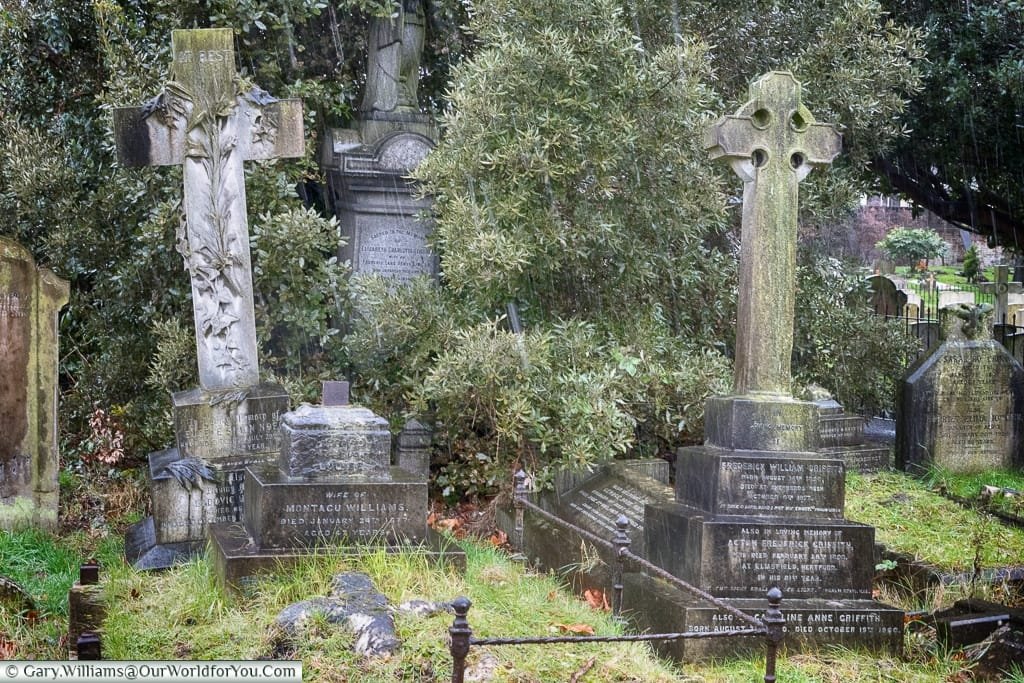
<point x="772" y="143"/>
<point x="205" y="122"/>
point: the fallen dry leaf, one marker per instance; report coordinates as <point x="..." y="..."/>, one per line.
<point x="597" y="599"/>
<point x="499" y="538"/>
<point x="7" y="648"/>
<point x="576" y="629"/>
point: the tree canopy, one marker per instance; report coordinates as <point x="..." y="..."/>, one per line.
<point x="960" y="157"/>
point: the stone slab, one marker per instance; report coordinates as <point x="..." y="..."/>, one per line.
<point x="30" y="300"/>
<point x="286" y="512"/>
<point x="228" y="431"/>
<point x="744" y="558"/>
<point x="960" y="407"/>
<point x="653" y="605"/>
<point x="592" y="501"/>
<point x="769" y="423"/>
<point x="180" y="513"/>
<point x="864" y="458"/>
<point x="237" y="561"/>
<point x="334" y="441"/>
<point x="143" y="552"/>
<point x="760" y="483"/>
<point x="841" y="430"/>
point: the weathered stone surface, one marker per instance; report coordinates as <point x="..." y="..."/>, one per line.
<point x="960" y="407"/>
<point x="225" y="431"/>
<point x="744" y="558"/>
<point x="593" y="501"/>
<point x="760" y="483"/>
<point x="385" y="224"/>
<point x="761" y="423"/>
<point x="332" y="441"/>
<point x="183" y="495"/>
<point x="653" y="605"/>
<point x="30" y="299"/>
<point x="772" y="143"/>
<point x="201" y="122"/>
<point x="412" y="452"/>
<point x="281" y="512"/>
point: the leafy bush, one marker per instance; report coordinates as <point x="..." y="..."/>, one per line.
<point x="841" y="345"/>
<point x="972" y="264"/>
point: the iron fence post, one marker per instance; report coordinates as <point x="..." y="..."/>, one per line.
<point x="88" y="647"/>
<point x="774" y="623"/>
<point x="621" y="542"/>
<point x="460" y="634"/>
<point x="518" y="497"/>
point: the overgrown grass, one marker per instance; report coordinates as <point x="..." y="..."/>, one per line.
<point x="182" y="614"/>
<point x="971" y="486"/>
<point x="911" y="518"/>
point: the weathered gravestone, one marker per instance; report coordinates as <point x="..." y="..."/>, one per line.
<point x="842" y="437"/>
<point x="951" y="297"/>
<point x="758" y="506"/>
<point x="333" y="483"/>
<point x="205" y="122"/>
<point x="960" y="406"/>
<point x="886" y="298"/>
<point x="385" y="224"/>
<point x="30" y="299"/>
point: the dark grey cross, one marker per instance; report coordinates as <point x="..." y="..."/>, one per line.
<point x="205" y="122"/>
<point x="772" y="143"/>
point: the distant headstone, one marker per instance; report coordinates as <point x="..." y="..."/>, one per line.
<point x="30" y="299"/>
<point x="384" y="223"/>
<point x="886" y="298"/>
<point x="204" y="122"/>
<point x="951" y="297"/>
<point x="412" y="452"/>
<point x="960" y="406"/>
<point x="842" y="438"/>
<point x="333" y="483"/>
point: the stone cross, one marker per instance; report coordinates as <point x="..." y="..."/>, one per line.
<point x="203" y="121"/>
<point x="772" y="143"/>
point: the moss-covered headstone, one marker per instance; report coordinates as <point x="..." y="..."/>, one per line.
<point x="960" y="406"/>
<point x="30" y="299"/>
<point x="760" y="505"/>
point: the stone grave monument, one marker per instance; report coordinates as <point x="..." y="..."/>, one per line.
<point x="886" y="298"/>
<point x="205" y="123"/>
<point x="30" y="299"/>
<point x="384" y="224"/>
<point x="841" y="437"/>
<point x="960" y="406"/>
<point x="758" y="506"/>
<point x="333" y="483"/>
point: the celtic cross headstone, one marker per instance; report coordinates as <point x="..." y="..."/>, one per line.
<point x="772" y="143"/>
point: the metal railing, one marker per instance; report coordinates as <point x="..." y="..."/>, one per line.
<point x="771" y="625"/>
